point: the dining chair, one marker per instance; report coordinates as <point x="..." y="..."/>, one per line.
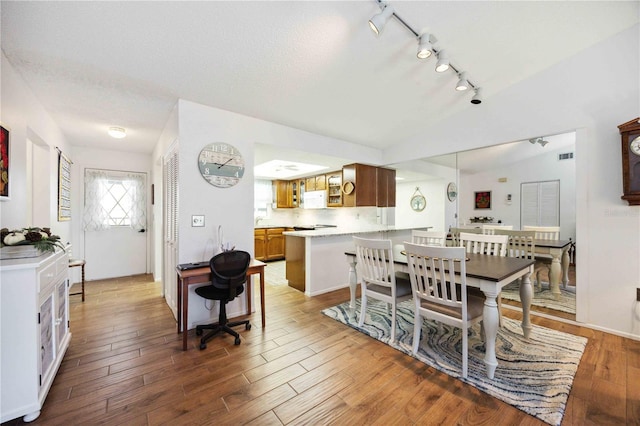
<point x="429" y="238"/>
<point x="521" y="244"/>
<point x="493" y="245"/>
<point x="490" y="229"/>
<point x="543" y="261"/>
<point x="379" y="280"/>
<point x="455" y="234"/>
<point x="434" y="285"/>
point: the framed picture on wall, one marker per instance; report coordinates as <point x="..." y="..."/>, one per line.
<point x="483" y="200"/>
<point x="4" y="163"/>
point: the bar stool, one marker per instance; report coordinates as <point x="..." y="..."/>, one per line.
<point x="72" y="264"/>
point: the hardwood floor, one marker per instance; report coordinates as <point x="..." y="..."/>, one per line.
<point x="125" y="366"/>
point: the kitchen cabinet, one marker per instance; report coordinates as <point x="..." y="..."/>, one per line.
<point x="386" y="189"/>
<point x="359" y="185"/>
<point x="287" y="193"/>
<point x="310" y="183"/>
<point x="269" y="243"/>
<point x="35" y="330"/>
<point x="321" y="183"/>
<point x="334" y="189"/>
<point x="365" y="185"/>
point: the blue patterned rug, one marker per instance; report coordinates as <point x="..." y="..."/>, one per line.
<point x="544" y="298"/>
<point x="534" y="376"/>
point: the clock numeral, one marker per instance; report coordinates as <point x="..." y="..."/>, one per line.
<point x="206" y="170"/>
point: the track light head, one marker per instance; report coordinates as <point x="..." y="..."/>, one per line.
<point x="443" y="62"/>
<point x="425" y="49"/>
<point x="543" y="142"/>
<point x="533" y="141"/>
<point x="462" y="84"/>
<point x="477" y="98"/>
<point x="378" y="21"/>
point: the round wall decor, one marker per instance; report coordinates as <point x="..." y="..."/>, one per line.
<point x="452" y="191"/>
<point x="221" y="164"/>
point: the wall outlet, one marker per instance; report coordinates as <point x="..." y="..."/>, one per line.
<point x="197" y="221"/>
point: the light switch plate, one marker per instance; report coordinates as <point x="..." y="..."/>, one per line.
<point x="197" y="220"/>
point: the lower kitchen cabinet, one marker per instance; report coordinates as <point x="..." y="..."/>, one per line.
<point x="269" y="243"/>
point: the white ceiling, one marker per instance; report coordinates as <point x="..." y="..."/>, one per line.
<point x="312" y="65"/>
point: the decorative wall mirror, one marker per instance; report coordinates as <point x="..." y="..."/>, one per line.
<point x="418" y="202"/>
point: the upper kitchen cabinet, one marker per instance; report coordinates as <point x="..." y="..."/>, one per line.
<point x="334" y="189"/>
<point x="359" y="185"/>
<point x="321" y="182"/>
<point x="386" y="191"/>
<point x="364" y="185"/>
<point x="287" y="193"/>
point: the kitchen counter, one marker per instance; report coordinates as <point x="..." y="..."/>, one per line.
<point x="315" y="260"/>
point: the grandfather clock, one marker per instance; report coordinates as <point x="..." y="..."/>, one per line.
<point x="630" y="132"/>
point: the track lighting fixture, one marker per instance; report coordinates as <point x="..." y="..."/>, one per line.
<point x="443" y="62"/>
<point x="378" y="22"/>
<point x="477" y="98"/>
<point x="425" y="49"/>
<point x="540" y="141"/>
<point x="463" y="83"/>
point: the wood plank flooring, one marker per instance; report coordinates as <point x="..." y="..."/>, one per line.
<point x="125" y="366"/>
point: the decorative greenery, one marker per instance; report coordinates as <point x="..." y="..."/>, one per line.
<point x="481" y="219"/>
<point x="40" y="238"/>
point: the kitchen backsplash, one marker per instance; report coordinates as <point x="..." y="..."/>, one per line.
<point x="343" y="216"/>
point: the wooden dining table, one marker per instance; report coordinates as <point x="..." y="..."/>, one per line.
<point x="489" y="274"/>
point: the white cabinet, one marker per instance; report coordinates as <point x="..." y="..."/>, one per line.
<point x="34" y="320"/>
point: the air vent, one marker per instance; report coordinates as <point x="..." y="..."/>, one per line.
<point x="565" y="156"/>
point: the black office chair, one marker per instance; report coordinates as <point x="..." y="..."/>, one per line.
<point x="228" y="275"/>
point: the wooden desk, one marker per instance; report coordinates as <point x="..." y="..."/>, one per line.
<point x="203" y="275"/>
<point x="489" y="274"/>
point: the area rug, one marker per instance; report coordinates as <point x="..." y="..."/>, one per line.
<point x="534" y="376"/>
<point x="544" y="298"/>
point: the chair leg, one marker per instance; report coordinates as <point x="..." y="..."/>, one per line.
<point x="465" y="352"/>
<point x="393" y="323"/>
<point x="417" y="328"/>
<point x="363" y="307"/>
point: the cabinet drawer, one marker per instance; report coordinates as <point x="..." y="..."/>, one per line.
<point x="46" y="277"/>
<point x="62" y="264"/>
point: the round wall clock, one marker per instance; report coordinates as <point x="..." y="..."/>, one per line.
<point x="221" y="164"/>
<point x="452" y="191"/>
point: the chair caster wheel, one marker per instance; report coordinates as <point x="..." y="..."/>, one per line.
<point x="247" y="327"/>
<point x="198" y="332"/>
<point x="203" y="346"/>
<point x="237" y="341"/>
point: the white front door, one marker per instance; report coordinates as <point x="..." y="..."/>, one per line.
<point x="116" y="252"/>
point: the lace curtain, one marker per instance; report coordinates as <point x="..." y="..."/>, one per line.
<point x="106" y="207"/>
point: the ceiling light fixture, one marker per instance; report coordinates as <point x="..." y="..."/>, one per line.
<point x="463" y="83"/>
<point x="425" y="47"/>
<point x="538" y="140"/>
<point x="477" y="98"/>
<point x="443" y="61"/>
<point x="378" y="22"/>
<point x="117" y="132"/>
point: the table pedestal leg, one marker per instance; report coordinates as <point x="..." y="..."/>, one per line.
<point x="353" y="283"/>
<point x="555" y="274"/>
<point x="490" y="322"/>
<point x="565" y="268"/>
<point x="526" y="295"/>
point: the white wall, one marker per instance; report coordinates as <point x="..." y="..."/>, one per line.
<point x="23" y="114"/>
<point x="434" y="213"/>
<point x="594" y="97"/>
<point x="541" y="168"/>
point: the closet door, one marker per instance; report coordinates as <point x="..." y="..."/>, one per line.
<point x="540" y="203"/>
<point x="170" y="227"/>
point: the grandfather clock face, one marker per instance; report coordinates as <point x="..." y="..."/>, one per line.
<point x="634" y="162"/>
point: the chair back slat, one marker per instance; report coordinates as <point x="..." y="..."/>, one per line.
<point x="494" y="245"/>
<point x="455" y="234"/>
<point x="544" y="232"/>
<point x="490" y="229"/>
<point x="521" y="243"/>
<point x="429" y="238"/>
